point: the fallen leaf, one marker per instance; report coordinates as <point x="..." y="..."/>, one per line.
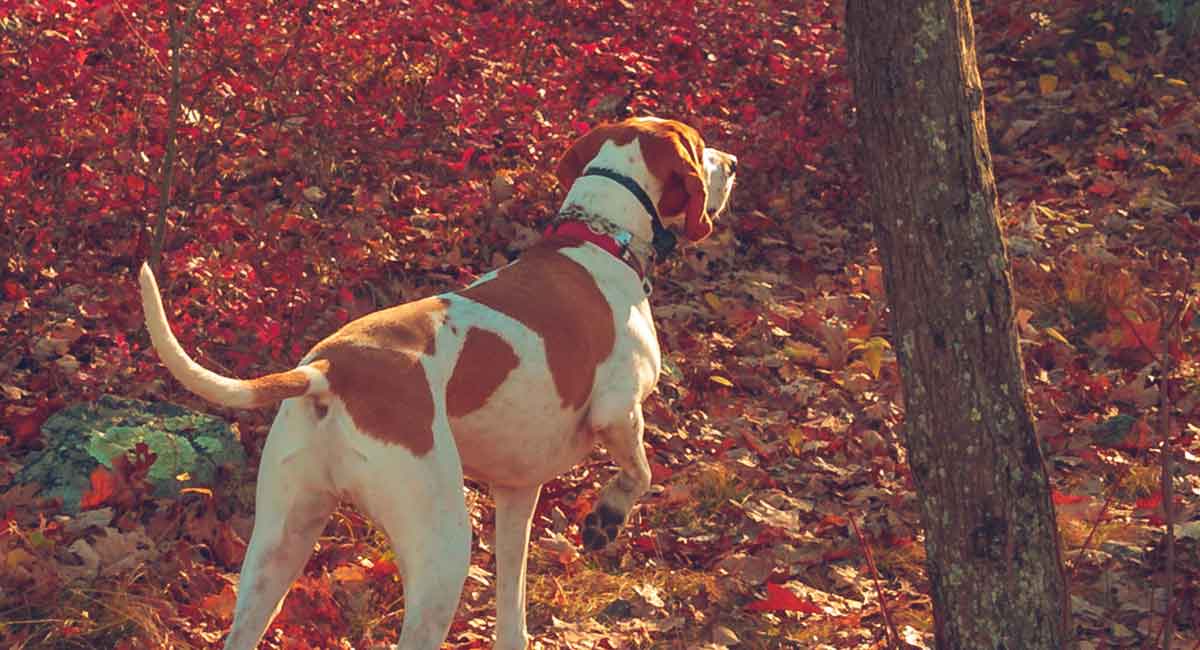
<point x="16" y="558"/>
<point x="873" y="351"/>
<point x="90" y="562"/>
<point x="1102" y="188"/>
<point x="650" y="594"/>
<point x="677" y="493"/>
<point x="1117" y="73"/>
<point x="1058" y="336"/>
<point x="913" y="637"/>
<point x="1188" y="530"/>
<point x="99" y="517"/>
<point x="713" y="301"/>
<point x="122" y="551"/>
<point x="781" y="599"/>
<point x="1061" y="499"/>
<point x="349" y="573"/>
<point x="1047" y="83"/>
<point x="767" y="514"/>
<point x="748" y="569"/>
<point x="560" y="547"/>
<point x="104" y="484"/>
<point x="804" y="352"/>
<point x="221" y="604"/>
<point x="724" y="636"/>
<point x="12" y="393"/>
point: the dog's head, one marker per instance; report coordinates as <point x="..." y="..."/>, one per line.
<point x="695" y="180"/>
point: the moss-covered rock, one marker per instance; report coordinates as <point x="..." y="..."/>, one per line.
<point x="189" y="446"/>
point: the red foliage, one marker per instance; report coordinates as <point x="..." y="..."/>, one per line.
<point x="325" y="146"/>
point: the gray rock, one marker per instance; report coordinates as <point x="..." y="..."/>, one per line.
<point x="190" y="446"/>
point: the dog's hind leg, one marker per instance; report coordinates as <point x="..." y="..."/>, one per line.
<point x="291" y="508"/>
<point x="418" y="500"/>
<point x="514" y="512"/>
<point x="624" y="443"/>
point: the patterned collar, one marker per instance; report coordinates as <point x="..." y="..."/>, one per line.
<point x="664" y="240"/>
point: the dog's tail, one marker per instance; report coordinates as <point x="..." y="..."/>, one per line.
<point x="226" y="391"/>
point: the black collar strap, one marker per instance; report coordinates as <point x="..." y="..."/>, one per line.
<point x="664" y="240"/>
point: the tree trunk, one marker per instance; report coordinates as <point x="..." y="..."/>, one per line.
<point x="994" y="564"/>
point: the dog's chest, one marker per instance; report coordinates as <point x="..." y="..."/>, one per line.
<point x="541" y="349"/>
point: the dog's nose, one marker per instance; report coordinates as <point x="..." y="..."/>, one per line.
<point x="733" y="164"/>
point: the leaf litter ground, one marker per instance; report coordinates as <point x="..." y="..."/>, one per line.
<point x="335" y="158"/>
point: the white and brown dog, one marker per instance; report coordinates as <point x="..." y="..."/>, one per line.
<point x="510" y="381"/>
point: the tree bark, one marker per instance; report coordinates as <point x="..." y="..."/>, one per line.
<point x="994" y="563"/>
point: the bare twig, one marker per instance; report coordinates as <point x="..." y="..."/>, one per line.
<point x="1112" y="493"/>
<point x="1168" y="486"/>
<point x="1138" y="335"/>
<point x="137" y="34"/>
<point x="304" y="19"/>
<point x="177" y="32"/>
<point x="893" y="636"/>
<point x="1112" y="490"/>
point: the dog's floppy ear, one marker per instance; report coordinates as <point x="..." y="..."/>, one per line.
<point x="580" y="153"/>
<point x="674" y="152"/>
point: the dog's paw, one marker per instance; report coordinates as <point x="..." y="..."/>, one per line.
<point x="601" y="526"/>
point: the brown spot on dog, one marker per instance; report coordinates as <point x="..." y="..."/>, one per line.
<point x="673" y="152"/>
<point x="374" y="367"/>
<point x="404" y="327"/>
<point x="558" y="299"/>
<point x="484" y="363"/>
<point x="385" y="391"/>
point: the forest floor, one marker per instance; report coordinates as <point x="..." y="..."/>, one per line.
<point x="334" y="158"/>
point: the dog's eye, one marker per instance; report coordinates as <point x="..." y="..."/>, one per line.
<point x="732" y="166"/>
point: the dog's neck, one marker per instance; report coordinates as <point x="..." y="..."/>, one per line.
<point x="604" y="199"/>
<point x="613" y="206"/>
<point x="596" y="195"/>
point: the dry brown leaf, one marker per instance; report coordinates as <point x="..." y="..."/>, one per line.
<point x="119" y="552"/>
<point x="768" y="515"/>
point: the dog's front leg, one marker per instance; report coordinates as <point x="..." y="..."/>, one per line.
<point x="514" y="512"/>
<point x="623" y="439"/>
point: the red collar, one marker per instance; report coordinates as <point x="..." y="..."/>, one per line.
<point x="573" y="229"/>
